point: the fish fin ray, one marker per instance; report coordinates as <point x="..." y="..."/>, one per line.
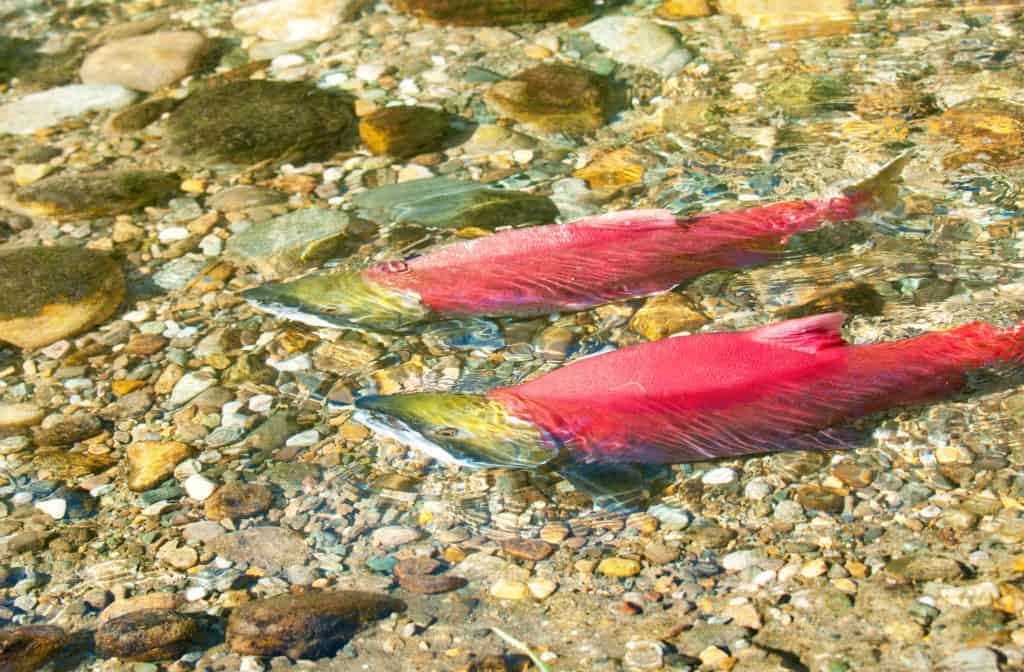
<point x="806" y="334"/>
<point x="619" y="487"/>
<point x="879" y="191"/>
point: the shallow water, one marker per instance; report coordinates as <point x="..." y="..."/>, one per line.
<point x="805" y="552"/>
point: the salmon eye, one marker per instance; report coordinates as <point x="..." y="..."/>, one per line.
<point x="394" y="267"/>
<point x="447" y="432"/>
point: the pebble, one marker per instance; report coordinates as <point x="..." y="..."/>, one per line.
<point x="430" y="584"/>
<point x="189" y="387"/>
<point x="145" y="62"/>
<point x="620" y="567"/>
<point x="542" y="588"/>
<point x="307" y="625"/>
<point x="719" y="476"/>
<point x="267" y="546"/>
<point x="296" y="20"/>
<point x="97" y="193"/>
<point x="737" y="561"/>
<point x="404" y="131"/>
<point x="162" y="601"/>
<point x="181" y="558"/>
<point x="238" y="500"/>
<point x="510" y="589"/>
<point x="644" y="655"/>
<point x="527" y="549"/>
<point x="199" y="488"/>
<point x="666" y="314"/>
<point x="757" y="489"/>
<point x="392" y="536"/>
<point x="47" y="108"/>
<point x="640" y="42"/>
<point x="150" y="462"/>
<point x="54" y="508"/>
<point x="290" y="243"/>
<point x="19" y="415"/>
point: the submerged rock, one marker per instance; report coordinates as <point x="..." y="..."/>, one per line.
<point x="405" y="130"/>
<point x="259" y="120"/>
<point x="50" y="293"/>
<point x="642" y="42"/>
<point x="781" y="13"/>
<point x="445" y="203"/>
<point x="986" y="129"/>
<point x="290" y="243"/>
<point x="296" y="20"/>
<point x="269" y="547"/>
<point x="238" y="500"/>
<point x="146" y="635"/>
<point x="139" y="116"/>
<point x="666" y="314"/>
<point x="150" y="462"/>
<point x="146" y="62"/>
<point x="28" y="648"/>
<point x="494" y="12"/>
<point x="97" y="194"/>
<point x="554" y="98"/>
<point x="47" y="108"/>
<point x="309" y="625"/>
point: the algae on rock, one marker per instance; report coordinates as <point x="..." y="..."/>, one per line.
<point x="249" y="121"/>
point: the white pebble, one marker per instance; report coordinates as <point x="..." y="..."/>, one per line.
<point x="20" y="498"/>
<point x="54" y="508"/>
<point x="211" y="245"/>
<point x="195" y="593"/>
<point x="285" y="61"/>
<point x="303" y="439"/>
<point x="173" y="234"/>
<point x="370" y="72"/>
<point x="199" y="487"/>
<point x="719" y="476"/>
<point x="293" y="364"/>
<point x="261" y="403"/>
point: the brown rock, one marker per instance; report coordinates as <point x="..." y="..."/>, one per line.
<point x="28" y="648"/>
<point x="986" y="129"/>
<point x="308" y="625"/>
<point x="238" y="500"/>
<point x="683" y="9"/>
<point x="97" y="194"/>
<point x="853" y="474"/>
<point x="268" y="547"/>
<point x="416" y="567"/>
<point x="405" y="130"/>
<point x="494" y="12"/>
<point x="527" y="549"/>
<point x="47" y="294"/>
<point x="431" y="584"/>
<point x="145" y="62"/>
<point x="150" y="462"/>
<point x="816" y="498"/>
<point x="161" y="601"/>
<point x="666" y="314"/>
<point x="145" y="344"/>
<point x="554" y="98"/>
<point x="68" y="429"/>
<point x="146" y="635"/>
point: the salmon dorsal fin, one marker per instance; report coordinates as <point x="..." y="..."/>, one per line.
<point x="806" y="334"/>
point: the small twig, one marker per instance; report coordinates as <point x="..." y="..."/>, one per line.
<point x="516" y="644"/>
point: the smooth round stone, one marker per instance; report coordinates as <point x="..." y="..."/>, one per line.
<point x="54" y="508"/>
<point x="620" y="567"/>
<point x="510" y="589"/>
<point x="404" y="131"/>
<point x="47" y="108"/>
<point x="294" y="20"/>
<point x="199" y="487"/>
<point x="640" y="42"/>
<point x="189" y="387"/>
<point x="757" y="489"/>
<point x="303" y="439"/>
<point x="494" y="12"/>
<point x="238" y="500"/>
<point x="395" y="535"/>
<point x="48" y="294"/>
<point x="719" y="476"/>
<point x="146" y="62"/>
<point x="244" y="197"/>
<point x="19" y="415"/>
<point x="30" y="647"/>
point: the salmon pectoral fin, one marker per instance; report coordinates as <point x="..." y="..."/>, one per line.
<point x="617" y="487"/>
<point x="806" y="334"/>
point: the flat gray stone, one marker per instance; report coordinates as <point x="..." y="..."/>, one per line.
<point x="47" y="108"/>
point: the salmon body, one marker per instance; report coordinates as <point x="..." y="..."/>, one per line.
<point x="558" y="267"/>
<point x="692" y="398"/>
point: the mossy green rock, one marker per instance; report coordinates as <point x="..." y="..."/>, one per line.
<point x="555" y="98"/>
<point x="255" y="120"/>
<point x="50" y="293"/>
<point x="97" y="194"/>
<point x="803" y="93"/>
<point x="290" y="243"/>
<point x="445" y="203"/>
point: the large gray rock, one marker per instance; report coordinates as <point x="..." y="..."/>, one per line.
<point x="146" y="62"/>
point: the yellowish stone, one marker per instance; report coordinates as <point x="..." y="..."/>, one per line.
<point x="814" y="568"/>
<point x="666" y="314"/>
<point x="26" y="174"/>
<point x="150" y="462"/>
<point x="845" y="585"/>
<point x="683" y="9"/>
<point x="613" y="171"/>
<point x="193" y="186"/>
<point x="714" y="658"/>
<point x="19" y="415"/>
<point x="620" y="567"/>
<point x="122" y="387"/>
<point x="510" y="589"/>
<point x="542" y="588"/>
<point x="767" y="14"/>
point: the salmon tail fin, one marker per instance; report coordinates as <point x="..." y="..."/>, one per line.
<point x="978" y="345"/>
<point x="617" y="487"/>
<point x="880" y="191"/>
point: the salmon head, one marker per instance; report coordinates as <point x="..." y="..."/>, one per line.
<point x="464" y="429"/>
<point x="339" y="298"/>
